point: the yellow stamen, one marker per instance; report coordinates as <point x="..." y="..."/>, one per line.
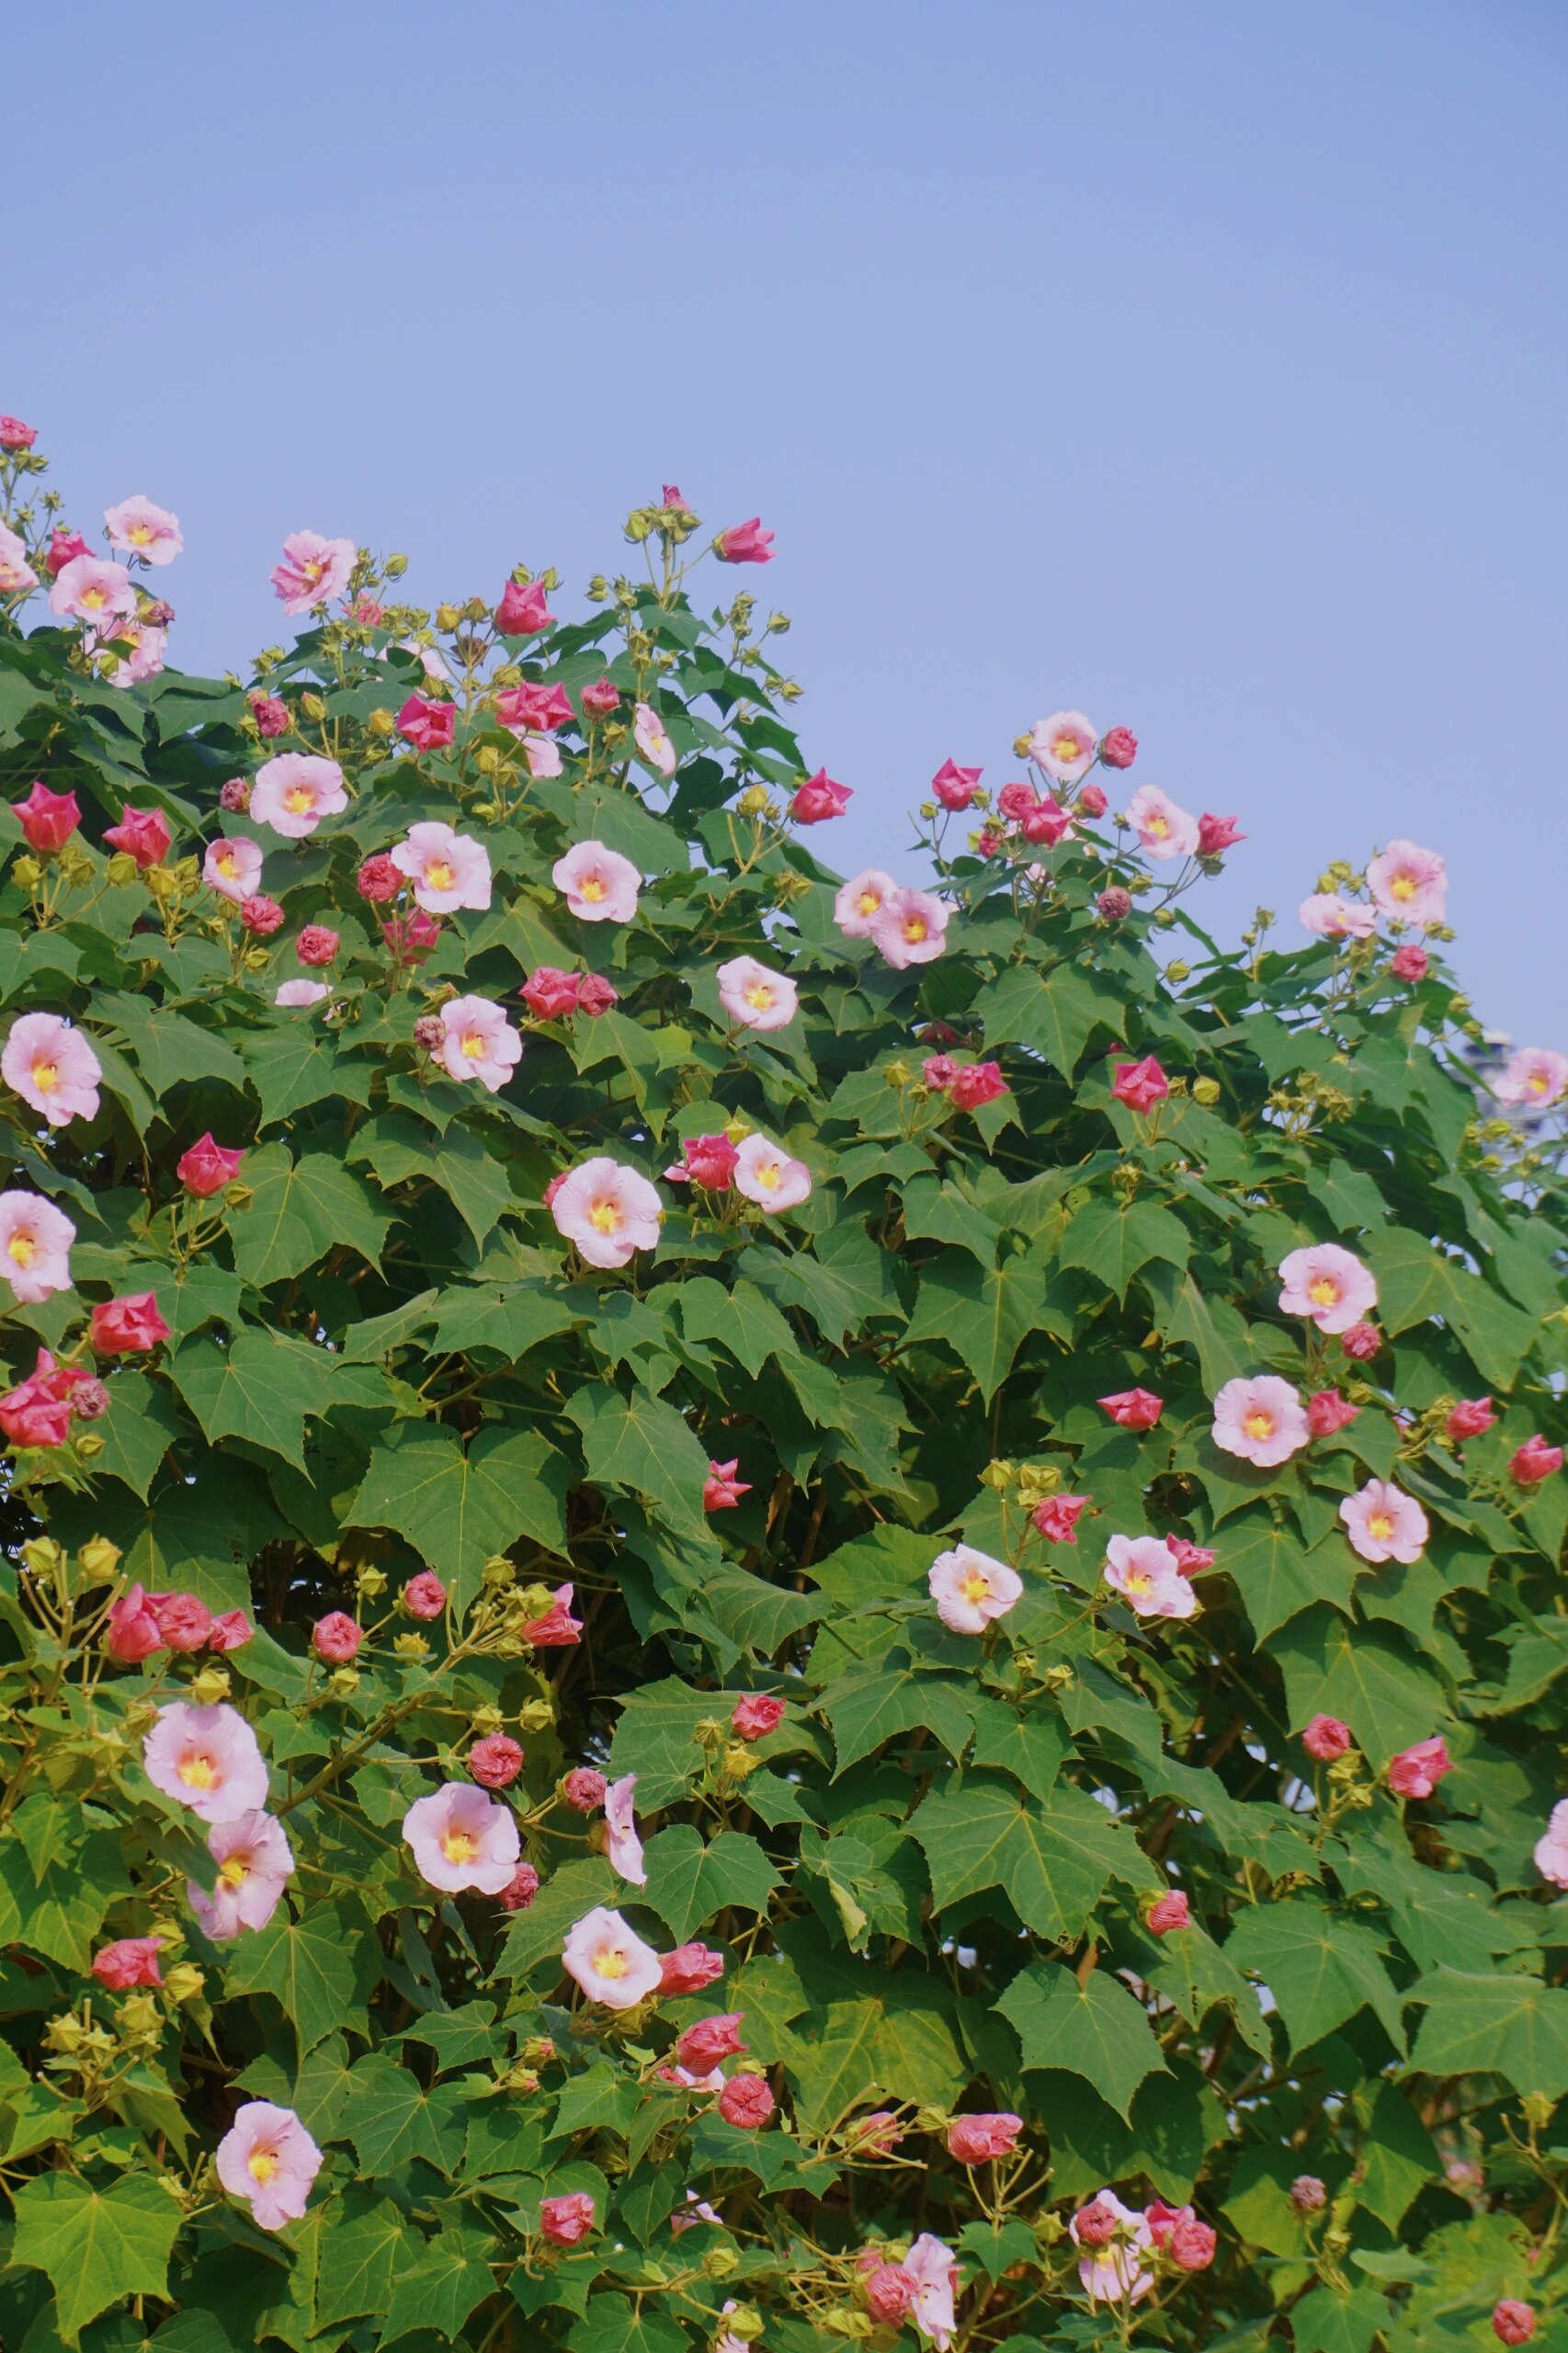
<point x="262" y="2164"/>
<point x="759" y="995"/>
<point x="94" y="598"/>
<point x="234" y="1871"/>
<point x="1324" y="1292"/>
<point x="974" y="1586"/>
<point x="915" y="929"/>
<point x="605" y="1217"/>
<point x="1067" y="747"/>
<point x="46" y="1076"/>
<point x="868" y="903"/>
<point x="592" y="889"/>
<point x="459" y="1846"/>
<point x="610" y="1961"/>
<point x="1381" y="1526"/>
<point x="1536" y="1082"/>
<point x="299" y="798"/>
<point x="228" y="865"/>
<point x="198" y="1771"/>
<point x="1158" y="826"/>
<point x="438" y="874"/>
<point x="474" y="1044"/>
<point x="771" y="1174"/>
<point x="23" y="1248"/>
<point x="1260" y="1425"/>
<point x="1404" y="886"/>
<point x="141" y="535"/>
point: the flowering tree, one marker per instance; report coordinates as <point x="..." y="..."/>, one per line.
<point x="742" y="1609"/>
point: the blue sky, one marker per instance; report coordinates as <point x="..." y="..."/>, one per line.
<point x="1198" y="366"/>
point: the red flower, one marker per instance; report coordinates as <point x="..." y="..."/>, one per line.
<point x="1415" y="1772"/>
<point x="1132" y="1409"/>
<point x="1047" y="821"/>
<point x="1328" y="1412"/>
<point x="316" y="944"/>
<point x="494" y="1761"/>
<point x="1014" y="801"/>
<point x="1512" y="2321"/>
<point x="1115" y="905"/>
<point x="1095" y="2225"/>
<point x="426" y="723"/>
<point x="1410" y="962"/>
<point x="522" y="611"/>
<point x="820" y="797"/>
<point x="973" y="1084"/>
<point x="1092" y="801"/>
<point x="954" y="787"/>
<point x="1140" y="1085"/>
<point x="411" y="937"/>
<point x="64" y="548"/>
<point x="230" y="1630"/>
<point x="47" y="819"/>
<point x="888" y="2291"/>
<point x="184" y="1621"/>
<point x="206" y="1167"/>
<point x="689" y="1968"/>
<point x="583" y="1789"/>
<point x="557" y="1630"/>
<point x="124" y="1326"/>
<point x="974" y="2139"/>
<point x="130" y="1631"/>
<point x="130" y="1960"/>
<point x="755" y="1715"/>
<point x="1534" y="1461"/>
<point x="596" y="994"/>
<point x="261" y="915"/>
<point x="530" y="707"/>
<point x="565" y="2220"/>
<point x="425" y="1595"/>
<point x="1361" y="1341"/>
<point x="746" y="2100"/>
<point x="15" y="434"/>
<point x="520" y="1889"/>
<point x="1471" y="1416"/>
<point x="599" y="700"/>
<point x="1169" y="1914"/>
<point x="1056" y="1517"/>
<point x="38" y="1411"/>
<point x="378" y="879"/>
<point x="1216" y="833"/>
<point x="744" y="543"/>
<point x="1190" y="1559"/>
<point x="550" y="994"/>
<point x="703" y="2046"/>
<point x="270" y="713"/>
<point x="1326" y="1738"/>
<point x="1192" y="2245"/>
<point x="939" y="1072"/>
<point x="337" y="1638"/>
<point x="722" y="1490"/>
<point x="141" y="834"/>
<point x="1118" y="747"/>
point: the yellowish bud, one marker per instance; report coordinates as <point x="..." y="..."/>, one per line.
<point x="1205" y="1091"/>
<point x="312" y="705"/>
<point x="381" y="722"/>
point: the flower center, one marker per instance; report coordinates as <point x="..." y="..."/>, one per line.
<point x="474" y="1044"/>
<point x="975" y="1585"/>
<point x="262" y="2164"/>
<point x="1381" y="1526"/>
<point x="46" y="1076"/>
<point x="1157" y="826"/>
<point x="228" y="865"/>
<point x="1536" y="1082"/>
<point x="915" y="927"/>
<point x="1140" y="1580"/>
<point x="314" y="569"/>
<point x="1067" y="747"/>
<point x="299" y="798"/>
<point x="605" y="1217"/>
<point x="771" y="1174"/>
<point x="592" y="889"/>
<point x="438" y="874"/>
<point x="459" y="1846"/>
<point x="759" y="995"/>
<point x="141" y="535"/>
<point x="610" y="1961"/>
<point x="868" y="902"/>
<point x="1324" y="1292"/>
<point x="198" y="1770"/>
<point x="1260" y="1425"/>
<point x="234" y="1871"/>
<point x="1404" y="886"/>
<point x="94" y="598"/>
<point x="23" y="1248"/>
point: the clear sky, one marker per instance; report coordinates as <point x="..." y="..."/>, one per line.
<point x="1198" y="364"/>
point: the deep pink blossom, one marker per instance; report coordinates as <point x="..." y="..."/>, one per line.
<point x="1471" y="1416"/>
<point x="337" y="1638"/>
<point x="523" y="611"/>
<point x="722" y="1490"/>
<point x="47" y="819"/>
<point x="820" y="797"/>
<point x="1216" y="834"/>
<point x="1415" y="1772"/>
<point x="690" y="1969"/>
<point x="1170" y="1913"/>
<point x="1534" y="1461"/>
<point x="129" y="1961"/>
<point x="567" y="2220"/>
<point x="496" y="1760"/>
<point x="1140" y="1085"/>
<point x="746" y="2101"/>
<point x="1326" y="1738"/>
<point x="974" y="2140"/>
<point x="755" y="1715"/>
<point x="954" y="787"/>
<point x="1056" y="1517"/>
<point x="1329" y="1412"/>
<point x="1134" y="1409"/>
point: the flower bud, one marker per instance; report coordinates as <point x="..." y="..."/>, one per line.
<point x="710" y="1732"/>
<point x="27" y="872"/>
<point x="1537" y="2109"/>
<point x="342" y="1682"/>
<point x="737" y="1762"/>
<point x="1178" y="972"/>
<point x="720" y="2262"/>
<point x="43" y="1556"/>
<point x="89" y="1445"/>
<point x="370" y="1584"/>
<point x="447" y="617"/>
<point x="211" y="1686"/>
<point x="411" y="1646"/>
<point x="1205" y="1091"/>
<point x="99" y="1560"/>
<point x="381" y="722"/>
<point x="312" y="705"/>
<point x="139" y="2016"/>
<point x="185" y="1982"/>
<point x="536" y="1715"/>
<point x="897" y="1073"/>
<point x="395" y="566"/>
<point x="999" y="1476"/>
<point x="752" y="802"/>
<point x="121" y="869"/>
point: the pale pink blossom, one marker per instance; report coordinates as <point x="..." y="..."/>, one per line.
<point x="1261" y="1418"/>
<point x="598" y="885"/>
<point x="232" y="867"/>
<point x="93" y="591"/>
<point x="1112" y="2268"/>
<point x="1409" y="884"/>
<point x="254" y="1865"/>
<point x="935" y="2273"/>
<point x="755" y="997"/>
<point x="447" y="869"/>
<point x="208" y="1758"/>
<point x="648" y="733"/>
<point x="970" y="1589"/>
<point x="462" y="1838"/>
<point x="1328" y="1285"/>
<point x="478" y="1041"/>
<point x="35" y="1246"/>
<point x="766" y="1175"/>
<point x="292" y="994"/>
<point x="1331" y="916"/>
<point x="1551" y="1848"/>
<point x="1148" y="1576"/>
<point x="1063" y="745"/>
<point x="294" y="790"/>
<point x="144" y="658"/>
<point x="1536" y="1076"/>
<point x="542" y="753"/>
<point x="51" y="1067"/>
<point x="1383" y="1523"/>
<point x="860" y="899"/>
<point x="609" y="1961"/>
<point x="16" y="574"/>
<point x="607" y="1210"/>
<point x="909" y="927"/>
<point x="138" y="528"/>
<point x="621" y="1843"/>
<point x="1164" y="827"/>
<point x="268" y="2158"/>
<point x="312" y="572"/>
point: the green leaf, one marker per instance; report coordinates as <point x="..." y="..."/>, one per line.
<point x="1053" y="1859"/>
<point x="614" y="2324"/>
<point x="169" y="1048"/>
<point x="1366" y="1677"/>
<point x="690" y="1884"/>
<point x="1320" y="1967"/>
<point x="1512" y="2027"/>
<point x="873" y="1703"/>
<point x="1202" y="1320"/>
<point x="449" y="2280"/>
<point x="1330" y="2321"/>
<point x="389" y="2118"/>
<point x="314" y="1967"/>
<point x="138" y="1430"/>
<point x="1096" y="2030"/>
<point x="984" y="1315"/>
<point x="750" y="1326"/>
<point x="1031" y="1747"/>
<point x="400" y="1150"/>
<point x="1057" y="1015"/>
<point x="1278" y="1575"/>
<point x="365" y="2244"/>
<point x="645" y="1448"/>
<point x="457" y="1509"/>
<point x="1114" y="1241"/>
<point x="296" y="1064"/>
<point x="895" y="2038"/>
<point x="97" y="2245"/>
<point x="299" y="1211"/>
<point x="1398" y="2157"/>
<point x="260" y="1388"/>
<point x="1416" y="1280"/>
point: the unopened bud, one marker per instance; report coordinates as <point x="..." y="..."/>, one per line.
<point x="342" y="1682"/>
<point x="1178" y="972"/>
<point x="1205" y="1091"/>
<point x="722" y="2262"/>
<point x="538" y="2050"/>
<point x="447" y="617"/>
<point x="487" y="760"/>
<point x="121" y="869"/>
<point x="999" y="1476"/>
<point x="738" y="1762"/>
<point x="185" y="1982"/>
<point x="312" y="705"/>
<point x="710" y="1732"/>
<point x="395" y="566"/>
<point x="28" y="872"/>
<point x="257" y="959"/>
<point x="897" y="1075"/>
<point x="752" y="802"/>
<point x="43" y="1556"/>
<point x="211" y="1686"/>
<point x="89" y="1445"/>
<point x="370" y="1584"/>
<point x="381" y="722"/>
<point x="140" y="2016"/>
<point x="411" y="1646"/>
<point x="1537" y="2109"/>
<point x="484" y="1721"/>
<point x="536" y="1715"/>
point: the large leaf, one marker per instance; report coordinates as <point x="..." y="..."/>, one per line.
<point x="298" y="1211"/>
<point x="641" y="1445"/>
<point x="1366" y="1677"/>
<point x="1095" y="2029"/>
<point x="1320" y="1967"/>
<point x="1512" y="2027"/>
<point x="314" y="1967"/>
<point x="400" y="1150"/>
<point x="984" y="1314"/>
<point x="1053" y="1859"/>
<point x="99" y="2243"/>
<point x="1113" y="1240"/>
<point x="691" y="1882"/>
<point x="458" y="1507"/>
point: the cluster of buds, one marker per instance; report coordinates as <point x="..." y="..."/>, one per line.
<point x="1312" y="1102"/>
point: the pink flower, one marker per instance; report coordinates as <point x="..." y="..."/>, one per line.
<point x="976" y="2139"/>
<point x="124" y="1326"/>
<point x="1094" y="2225"/>
<point x="1216" y="834"/>
<point x="254" y="1865"/>
<point x="1261" y="1419"/>
<point x="1331" y="916"/>
<point x="888" y="2291"/>
<point x="596" y="994"/>
<point x="703" y="2046"/>
<point x="609" y="1961"/>
<point x="141" y="834"/>
<point x="15" y="434"/>
<point x="931" y="2266"/>
<point x="609" y="1210"/>
<point x="314" y="571"/>
<point x="378" y="879"/>
<point x="722" y="1490"/>
<point x="550" y="994"/>
<point x="205" y="1167"/>
<point x="1328" y="1412"/>
<point x="294" y="790"/>
<point x="1063" y="745"/>
<point x="557" y="1630"/>
<point x="939" y="1072"/>
<point x="690" y="1969"/>
<point x="138" y="528"/>
<point x="232" y="867"/>
<point x="1551" y="1848"/>
<point x="1415" y="1772"/>
<point x="1362" y="1341"/>
<point x="755" y="1715"/>
<point x="461" y="1839"/>
<point x="1132" y="1409"/>
<point x="583" y="1789"/>
<point x="566" y="2220"/>
<point x="1115" y="905"/>
<point x="268" y="2158"/>
<point x="1536" y="1076"/>
<point x="909" y="927"/>
<point x="1410" y="962"/>
<point x="1113" y="2271"/>
<point x="599" y="699"/>
<point x="129" y="1961"/>
<point x="63" y="547"/>
<point x="648" y="732"/>
<point x="1409" y="885"/>
<point x="818" y="799"/>
<point x="859" y="900"/>
<point x="1014" y="801"/>
<point x="410" y="938"/>
<point x="1326" y="1738"/>
<point x="425" y="1595"/>
<point x="51" y="1067"/>
<point x="495" y="1761"/>
<point x="1047" y="823"/>
<point x="47" y="819"/>
<point x="1192" y="2244"/>
<point x="38" y="1412"/>
<point x="523" y="611"/>
<point x="1534" y="1461"/>
<point x="1118" y="747"/>
<point x="132" y="1631"/>
<point x="542" y="754"/>
<point x="262" y="915"/>
<point x="520" y="1889"/>
<point x="1165" y="829"/>
<point x="93" y="591"/>
<point x="768" y="1175"/>
<point x="207" y="1759"/>
<point x="1471" y="1416"/>
<point x="522" y="710"/>
<point x="970" y="1589"/>
<point x="973" y="1084"/>
<point x="317" y="944"/>
<point x="337" y="1638"/>
<point x="1140" y="1085"/>
<point x="427" y="724"/>
<point x="746" y="2102"/>
<point x="954" y="787"/>
<point x="145" y="659"/>
<point x="755" y="997"/>
<point x="16" y="574"/>
<point x="447" y="869"/>
<point x="270" y="713"/>
<point x="35" y="1246"/>
<point x="1328" y="1285"/>
<point x="744" y="543"/>
<point x="621" y="1843"/>
<point x="1191" y="1559"/>
<point x="478" y="1041"/>
<point x="1144" y="1572"/>
<point x="1513" y="2322"/>
<point x="1092" y="800"/>
<point x="1170" y="1913"/>
<point x="707" y="1161"/>
<point x="230" y="1630"/>
<point x="1383" y="1523"/>
<point x="1308" y="2195"/>
<point x="1056" y="1517"/>
<point x="598" y="885"/>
